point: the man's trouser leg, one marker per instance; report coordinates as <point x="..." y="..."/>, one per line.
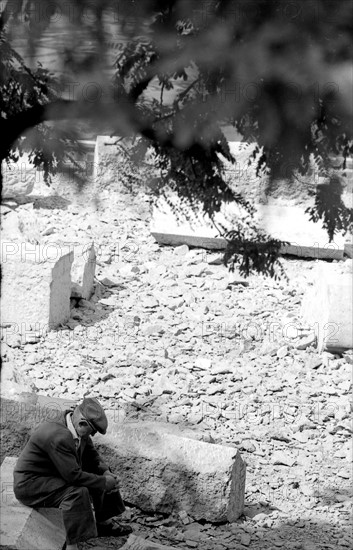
<point x="77" y="512"/>
<point x="107" y="505"/>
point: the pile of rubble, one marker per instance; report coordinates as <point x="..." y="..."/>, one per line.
<point x="169" y="336"/>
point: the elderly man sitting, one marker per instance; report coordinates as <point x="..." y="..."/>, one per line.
<point x="59" y="467"/>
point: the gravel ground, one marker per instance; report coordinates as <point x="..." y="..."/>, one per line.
<point x="170" y="335"/>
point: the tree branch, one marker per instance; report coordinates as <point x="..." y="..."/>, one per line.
<point x="12" y="128"/>
<point x="187" y="90"/>
<point x="141" y="86"/>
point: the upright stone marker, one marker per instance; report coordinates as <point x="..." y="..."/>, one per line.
<point x="84" y="269"/>
<point x="36" y="289"/>
<point x="328" y="307"/>
<point x="89" y="271"/>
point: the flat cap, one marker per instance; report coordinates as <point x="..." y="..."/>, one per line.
<point x="93" y="411"/>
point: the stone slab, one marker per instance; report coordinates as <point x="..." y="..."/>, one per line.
<point x="89" y="272"/>
<point x="217" y="243"/>
<point x="288" y="223"/>
<point x="166" y="472"/>
<point x="160" y="469"/>
<point x="328" y="307"/>
<point x="22" y="527"/>
<point x="306" y="238"/>
<point x="138" y="543"/>
<point x="84" y="268"/>
<point x="195" y="241"/>
<point x="36" y="288"/>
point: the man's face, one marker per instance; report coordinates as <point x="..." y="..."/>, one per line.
<point x="83" y="427"/>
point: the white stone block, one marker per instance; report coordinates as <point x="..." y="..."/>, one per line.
<point x="328" y="307"/>
<point x="287" y="223"/>
<point x="89" y="271"/>
<point x="36" y="287"/>
<point x="167" y="472"/>
<point x="22" y="527"/>
<point x="84" y="268"/>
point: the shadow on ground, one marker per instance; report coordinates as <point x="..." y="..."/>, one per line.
<point x="307" y="535"/>
<point x="328" y="496"/>
<point x="87" y="314"/>
<point x="51" y="202"/>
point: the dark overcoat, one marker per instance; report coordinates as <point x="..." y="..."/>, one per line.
<point x="50" y="461"/>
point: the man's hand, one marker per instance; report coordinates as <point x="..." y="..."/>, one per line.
<point x="109" y="473"/>
<point x="113" y="477"/>
<point x="110" y="482"/>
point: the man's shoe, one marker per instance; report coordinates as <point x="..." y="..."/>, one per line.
<point x="113" y="530"/>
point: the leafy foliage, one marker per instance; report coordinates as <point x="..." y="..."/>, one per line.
<point x="277" y="72"/>
<point x="20" y="89"/>
<point x="330" y="208"/>
<point x="271" y="97"/>
<point x="254" y="256"/>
